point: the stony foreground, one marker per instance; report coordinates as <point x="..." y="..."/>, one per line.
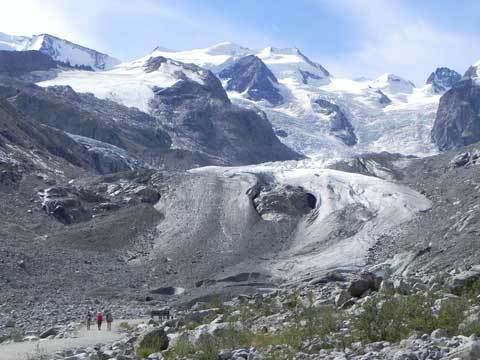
<point x="340" y="316"/>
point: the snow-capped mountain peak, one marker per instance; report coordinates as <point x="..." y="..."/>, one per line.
<point x="12" y="42"/>
<point x="313" y="112"/>
<point x="68" y="52"/>
<point x="473" y="71"/>
<point x="227" y="48"/>
<point x="443" y="79"/>
<point x="290" y="63"/>
<point x="285" y="63"/>
<point x="132" y="84"/>
<point x="59" y="50"/>
<point x="393" y="84"/>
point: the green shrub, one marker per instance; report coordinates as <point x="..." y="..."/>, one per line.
<point x="471" y="328"/>
<point x="125" y="326"/>
<point x="154" y="341"/>
<point x="14" y="334"/>
<point x="182" y="348"/>
<point x="452" y="314"/>
<point x="395" y="318"/>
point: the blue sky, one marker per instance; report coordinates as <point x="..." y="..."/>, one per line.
<point x="349" y="37"/>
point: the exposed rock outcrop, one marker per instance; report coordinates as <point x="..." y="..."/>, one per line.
<point x="249" y="74"/>
<point x="17" y="64"/>
<point x="457" y="122"/>
<point x="340" y="126"/>
<point x="204" y="120"/>
<point x="442" y="79"/>
<point x="277" y="203"/>
<point x="116" y="137"/>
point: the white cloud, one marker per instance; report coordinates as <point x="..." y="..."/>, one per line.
<point x="394" y="39"/>
<point x="28" y="17"/>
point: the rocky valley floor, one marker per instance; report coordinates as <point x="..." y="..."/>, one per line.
<point x="221" y="247"/>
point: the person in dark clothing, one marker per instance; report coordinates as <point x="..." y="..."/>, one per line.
<point x="99" y="320"/>
<point x="109" y="318"/>
<point x="88" y="319"/>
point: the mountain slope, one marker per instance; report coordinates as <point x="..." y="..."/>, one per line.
<point x="250" y="75"/>
<point x="458" y="118"/>
<point x="192" y="105"/>
<point x="388" y="113"/>
<point x="59" y="50"/>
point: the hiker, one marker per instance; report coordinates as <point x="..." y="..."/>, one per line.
<point x="99" y="320"/>
<point x="89" y="319"/>
<point x="109" y="319"/>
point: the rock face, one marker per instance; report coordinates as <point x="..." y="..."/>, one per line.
<point x="277" y="203"/>
<point x="202" y="118"/>
<point x="457" y="122"/>
<point x="442" y="79"/>
<point x="116" y="137"/>
<point x="209" y="86"/>
<point x="249" y="74"/>
<point x="16" y="64"/>
<point x="69" y="53"/>
<point x="340" y="126"/>
<point x="383" y="99"/>
<point x="473" y="71"/>
<point x="23" y="144"/>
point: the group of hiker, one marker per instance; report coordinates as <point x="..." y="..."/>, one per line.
<point x="100" y="317"/>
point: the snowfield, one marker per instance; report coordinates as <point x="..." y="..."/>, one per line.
<point x="388" y="113"/>
<point x="127" y="84"/>
<point x="402" y="126"/>
<point x="59" y="50"/>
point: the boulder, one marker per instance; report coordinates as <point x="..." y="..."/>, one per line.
<point x="438" y="334"/>
<point x="364" y="282"/>
<point x="199" y="315"/>
<point x="458" y="283"/>
<point x="53" y="331"/>
<point x="342" y="298"/>
<point x="405" y="355"/>
<point x="207" y="332"/>
<point x="156" y="339"/>
<point x="147" y="195"/>
<point x="469" y="351"/>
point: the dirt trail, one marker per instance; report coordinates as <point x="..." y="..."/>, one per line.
<point x="27" y="350"/>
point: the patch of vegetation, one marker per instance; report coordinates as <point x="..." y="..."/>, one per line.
<point x="125" y="326"/>
<point x="153" y="342"/>
<point x="308" y="322"/>
<point x="471" y="291"/>
<point x="384" y="317"/>
<point x="395" y="318"/>
<point x="15" y="335"/>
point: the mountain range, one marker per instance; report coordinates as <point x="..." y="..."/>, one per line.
<point x="183" y="174"/>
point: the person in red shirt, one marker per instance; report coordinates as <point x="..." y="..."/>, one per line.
<point x="99" y="320"/>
